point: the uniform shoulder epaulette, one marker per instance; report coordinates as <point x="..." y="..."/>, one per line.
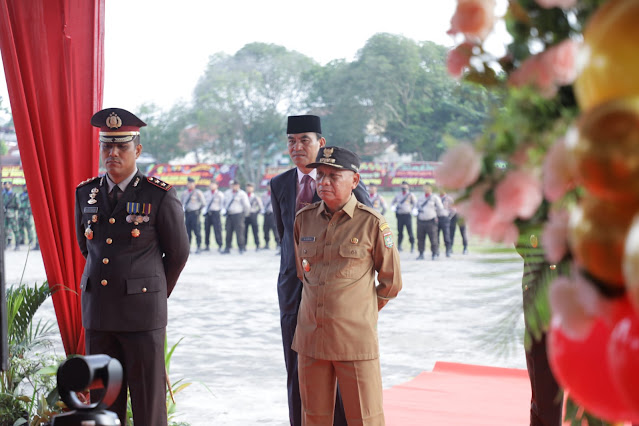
<point x="370" y="210"/>
<point x="309" y="207"/>
<point x="88" y="181"/>
<point x="159" y="183"/>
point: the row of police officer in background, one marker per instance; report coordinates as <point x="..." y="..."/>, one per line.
<point x="436" y="214"/>
<point x="240" y="208"/>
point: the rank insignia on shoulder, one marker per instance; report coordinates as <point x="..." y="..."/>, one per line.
<point x="160" y="184"/>
<point x="384" y="226"/>
<point x="84" y="182"/>
<point x="388" y="239"/>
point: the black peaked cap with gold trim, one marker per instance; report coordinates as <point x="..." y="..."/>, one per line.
<point x="117" y="125"/>
<point x="334" y="156"/>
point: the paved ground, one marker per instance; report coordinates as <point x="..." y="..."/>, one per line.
<point x="456" y="309"/>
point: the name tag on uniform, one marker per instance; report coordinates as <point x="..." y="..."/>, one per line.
<point x="307" y="239"/>
<point x="90" y="210"/>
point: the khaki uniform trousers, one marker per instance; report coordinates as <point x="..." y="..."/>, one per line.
<point x="360" y="383"/>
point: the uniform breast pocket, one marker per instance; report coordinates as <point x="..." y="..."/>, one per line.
<point x="356" y="261"/>
<point x="307" y="256"/>
<point x="143" y="285"/>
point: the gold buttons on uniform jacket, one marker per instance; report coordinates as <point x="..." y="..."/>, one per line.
<point x="109" y="240"/>
<point x="105" y="260"/>
<point x="112" y="220"/>
<point x="104" y="282"/>
<point x="143" y="289"/>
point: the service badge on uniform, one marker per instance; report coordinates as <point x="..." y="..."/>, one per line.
<point x="146" y="211"/>
<point x="388" y="239"/>
<point x="113" y="121"/>
<point x="92" y="195"/>
<point x="306" y="265"/>
<point x="132" y="209"/>
<point x="88" y="232"/>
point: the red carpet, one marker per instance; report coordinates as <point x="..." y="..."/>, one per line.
<point x="460" y="394"/>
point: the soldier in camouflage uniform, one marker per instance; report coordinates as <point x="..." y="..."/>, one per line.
<point x="11" y="206"/>
<point x="25" y="220"/>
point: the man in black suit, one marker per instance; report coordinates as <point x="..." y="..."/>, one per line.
<point x="290" y="191"/>
<point x="130" y="228"/>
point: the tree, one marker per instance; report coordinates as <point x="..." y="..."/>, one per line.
<point x="336" y="96"/>
<point x="162" y="135"/>
<point x="244" y="99"/>
<point x="412" y="98"/>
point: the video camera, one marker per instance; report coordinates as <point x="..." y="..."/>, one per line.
<point x="88" y="372"/>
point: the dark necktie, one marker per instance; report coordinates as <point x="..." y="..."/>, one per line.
<point x="305" y="196"/>
<point x="114" y="196"/>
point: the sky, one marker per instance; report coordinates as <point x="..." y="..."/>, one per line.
<point x="156" y="50"/>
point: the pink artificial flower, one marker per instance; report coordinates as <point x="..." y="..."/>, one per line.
<point x="473" y="18"/>
<point x="480" y="216"/>
<point x="519" y="194"/>
<point x="575" y="303"/>
<point x="567" y="308"/>
<point x="547" y="70"/>
<point x="520" y="157"/>
<point x="534" y="72"/>
<point x="505" y="232"/>
<point x="562" y="4"/>
<point x="562" y="60"/>
<point x="554" y="237"/>
<point x="559" y="174"/>
<point x="460" y="167"/>
<point x="459" y="59"/>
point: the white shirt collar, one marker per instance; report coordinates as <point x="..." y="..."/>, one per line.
<point x="300" y="175"/>
<point x="123" y="185"/>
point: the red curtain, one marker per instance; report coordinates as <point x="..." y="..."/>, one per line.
<point x="53" y="56"/>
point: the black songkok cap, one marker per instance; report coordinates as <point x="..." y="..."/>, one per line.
<point x="334" y="156"/>
<point x="303" y="124"/>
<point x="117" y="125"/>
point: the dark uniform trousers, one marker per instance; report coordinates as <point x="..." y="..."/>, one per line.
<point x="546" y="402"/>
<point x="192" y="219"/>
<point x="427" y="227"/>
<point x="212" y="219"/>
<point x="251" y="220"/>
<point x="141" y="354"/>
<point x="462" y="231"/>
<point x="268" y="227"/>
<point x="404" y="220"/>
<point x="443" y="227"/>
<point x="235" y="223"/>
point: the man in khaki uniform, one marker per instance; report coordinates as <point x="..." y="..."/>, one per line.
<point x="340" y="244"/>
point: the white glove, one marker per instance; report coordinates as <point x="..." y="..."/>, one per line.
<point x="394" y="208"/>
<point x="415" y="212"/>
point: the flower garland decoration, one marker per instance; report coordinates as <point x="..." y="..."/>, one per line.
<point x="557" y="171"/>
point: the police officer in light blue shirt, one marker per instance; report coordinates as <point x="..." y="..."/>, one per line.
<point x="429" y="207"/>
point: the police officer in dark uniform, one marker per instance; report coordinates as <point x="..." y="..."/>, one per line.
<point x="130" y="228"/>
